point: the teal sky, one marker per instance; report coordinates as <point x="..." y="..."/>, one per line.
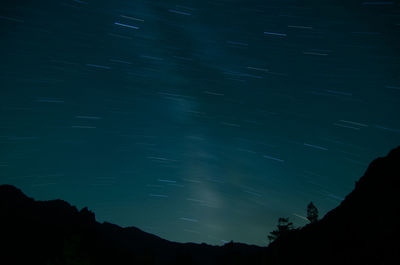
<point x="198" y="121"/>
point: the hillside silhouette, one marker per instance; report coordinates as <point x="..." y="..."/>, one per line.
<point x="363" y="229"/>
<point x="54" y="232"/>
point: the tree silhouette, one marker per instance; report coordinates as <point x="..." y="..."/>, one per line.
<point x="284" y="226"/>
<point x="312" y="213"/>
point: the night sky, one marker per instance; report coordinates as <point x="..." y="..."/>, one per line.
<point x="198" y="121"/>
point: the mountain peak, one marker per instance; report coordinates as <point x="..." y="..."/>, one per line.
<point x="12" y="195"/>
<point x="10" y="190"/>
<point x="383" y="170"/>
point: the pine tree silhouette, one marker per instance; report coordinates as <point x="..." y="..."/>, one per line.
<point x="312" y="213"/>
<point x="284" y="226"/>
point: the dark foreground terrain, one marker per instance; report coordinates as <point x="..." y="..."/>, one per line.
<point x="363" y="229"/>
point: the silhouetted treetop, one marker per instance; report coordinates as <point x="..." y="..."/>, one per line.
<point x="312" y="213"/>
<point x="284" y="226"/>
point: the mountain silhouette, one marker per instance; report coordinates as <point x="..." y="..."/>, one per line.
<point x="363" y="229"/>
<point x="54" y="232"/>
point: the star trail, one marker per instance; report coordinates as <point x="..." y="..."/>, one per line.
<point x="198" y="121"/>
